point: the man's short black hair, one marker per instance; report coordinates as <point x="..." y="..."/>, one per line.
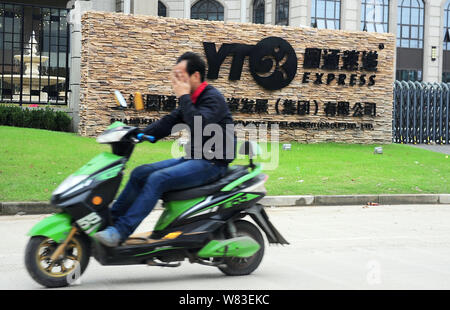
<point x="194" y="63"/>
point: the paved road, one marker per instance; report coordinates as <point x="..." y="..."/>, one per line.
<point x="347" y="247"/>
<point x="445" y="148"/>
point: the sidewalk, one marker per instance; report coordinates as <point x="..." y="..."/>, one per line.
<point x="445" y="148"/>
<point x="22" y="208"/>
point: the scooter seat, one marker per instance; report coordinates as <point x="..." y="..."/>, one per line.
<point x="233" y="173"/>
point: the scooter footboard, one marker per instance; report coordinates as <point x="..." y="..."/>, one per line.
<point x="259" y="215"/>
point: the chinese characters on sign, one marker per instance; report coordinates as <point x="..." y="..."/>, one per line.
<point x="156" y="102"/>
<point x="328" y="59"/>
<point x="350" y="59"/>
<point x="163" y="103"/>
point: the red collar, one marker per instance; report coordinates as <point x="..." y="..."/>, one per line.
<point x="198" y="91"/>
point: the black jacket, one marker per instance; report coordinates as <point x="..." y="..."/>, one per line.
<point x="217" y="142"/>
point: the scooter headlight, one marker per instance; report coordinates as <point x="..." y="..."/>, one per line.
<point x="71" y="181"/>
<point x="113" y="135"/>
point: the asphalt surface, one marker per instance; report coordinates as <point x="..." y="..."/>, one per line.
<point x="445" y="148"/>
<point x="344" y="247"/>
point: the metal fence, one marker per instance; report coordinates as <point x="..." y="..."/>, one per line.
<point x="34" y="54"/>
<point x="421" y="113"/>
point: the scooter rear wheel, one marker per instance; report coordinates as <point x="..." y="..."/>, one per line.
<point x="235" y="266"/>
<point x="61" y="272"/>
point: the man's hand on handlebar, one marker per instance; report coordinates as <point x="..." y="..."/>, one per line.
<point x="138" y="136"/>
<point x="143" y="137"/>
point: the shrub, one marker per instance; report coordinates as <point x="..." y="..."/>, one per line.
<point x="34" y="118"/>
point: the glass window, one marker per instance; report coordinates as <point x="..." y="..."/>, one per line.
<point x="207" y="9"/>
<point x="282" y="12"/>
<point x="258" y="11"/>
<point x="119" y="5"/>
<point x="447" y="26"/>
<point x="374" y="15"/>
<point x="326" y="14"/>
<point x="49" y="27"/>
<point x="410" y="23"/>
<point x="162" y="10"/>
<point x="445" y="77"/>
<point x="409" y="75"/>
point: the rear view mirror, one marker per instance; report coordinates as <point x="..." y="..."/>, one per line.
<point x="120" y="99"/>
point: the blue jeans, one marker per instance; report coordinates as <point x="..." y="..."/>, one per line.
<point x="147" y="184"/>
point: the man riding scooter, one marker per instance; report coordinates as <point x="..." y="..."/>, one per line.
<point x="200" y="105"/>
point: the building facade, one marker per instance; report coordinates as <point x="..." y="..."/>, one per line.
<point x="336" y="88"/>
<point x="421" y="26"/>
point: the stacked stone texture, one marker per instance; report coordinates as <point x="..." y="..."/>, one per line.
<point x="136" y="53"/>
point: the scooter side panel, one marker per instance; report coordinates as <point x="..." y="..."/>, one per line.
<point x="98" y="162"/>
<point x="235" y="247"/>
<point x="221" y="207"/>
<point x="243" y="179"/>
<point x="173" y="209"/>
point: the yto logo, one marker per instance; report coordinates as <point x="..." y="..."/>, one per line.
<point x="273" y="62"/>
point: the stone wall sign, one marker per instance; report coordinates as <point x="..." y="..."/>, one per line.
<point x="317" y="85"/>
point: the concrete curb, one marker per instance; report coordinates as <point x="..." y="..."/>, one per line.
<point x="22" y="208"/>
<point x="333" y="200"/>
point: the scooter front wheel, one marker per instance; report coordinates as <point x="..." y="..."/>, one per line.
<point x="60" y="272"/>
<point x="235" y="266"/>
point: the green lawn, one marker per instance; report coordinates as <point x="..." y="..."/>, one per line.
<point x="33" y="162"/>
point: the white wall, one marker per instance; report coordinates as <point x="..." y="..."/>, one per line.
<point x="433" y="36"/>
<point x="145" y="7"/>
<point x="350" y="15"/>
<point x="175" y="8"/>
<point x="299" y="13"/>
<point x="232" y="9"/>
<point x="104" y="5"/>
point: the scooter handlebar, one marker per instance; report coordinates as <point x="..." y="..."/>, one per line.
<point x="142" y="137"/>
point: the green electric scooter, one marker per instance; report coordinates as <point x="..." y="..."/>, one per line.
<point x="203" y="224"/>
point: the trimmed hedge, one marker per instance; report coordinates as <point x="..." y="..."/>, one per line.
<point x="34" y="118"/>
